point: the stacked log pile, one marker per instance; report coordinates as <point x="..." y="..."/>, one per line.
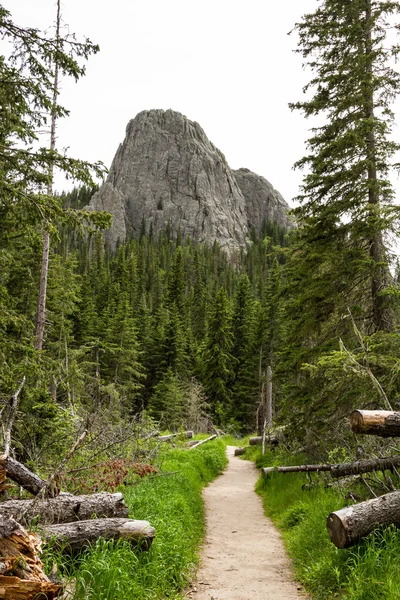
<point x="349" y="525"/>
<point x="63" y="519"/>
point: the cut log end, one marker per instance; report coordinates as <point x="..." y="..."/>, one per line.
<point x="337" y="531"/>
<point x="239" y="451"/>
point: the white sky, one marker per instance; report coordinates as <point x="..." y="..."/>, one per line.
<point x="227" y="64"/>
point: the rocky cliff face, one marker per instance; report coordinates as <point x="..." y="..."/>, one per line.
<point x="167" y="171"/>
<point x="262" y="201"/>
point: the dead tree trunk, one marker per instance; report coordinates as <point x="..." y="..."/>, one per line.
<point x="212" y="437"/>
<point x="65" y="508"/>
<point x="348" y="525"/>
<point x="16" y="471"/>
<point x="21" y="571"/>
<point x="341" y="470"/>
<point x="73" y="537"/>
<point x="384" y="423"/>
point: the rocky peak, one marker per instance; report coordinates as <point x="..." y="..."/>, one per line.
<point x="167" y="171"/>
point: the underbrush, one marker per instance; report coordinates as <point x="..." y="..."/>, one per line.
<point x="171" y="501"/>
<point x="368" y="571"/>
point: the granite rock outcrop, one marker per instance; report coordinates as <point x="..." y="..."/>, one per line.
<point x="167" y="173"/>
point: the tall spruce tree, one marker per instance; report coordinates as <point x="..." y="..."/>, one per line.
<point x="217" y="361"/>
<point x="346" y="197"/>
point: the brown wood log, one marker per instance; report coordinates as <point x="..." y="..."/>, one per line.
<point x="240" y="451"/>
<point x="341" y="470"/>
<point x="21" y="571"/>
<point x="16" y="471"/>
<point x="73" y="537"/>
<point x="349" y="525"/>
<point x="384" y="423"/>
<point x="165" y="438"/>
<point x="65" y="508"/>
<point x="212" y="437"/>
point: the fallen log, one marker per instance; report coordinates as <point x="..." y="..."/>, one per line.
<point x="212" y="437"/>
<point x="65" y="508"/>
<point x="341" y="470"/>
<point x="349" y="525"/>
<point x="165" y="438"/>
<point x="297" y="469"/>
<point x="257" y="441"/>
<point x="191" y="443"/>
<point x="385" y="423"/>
<point x="21" y="571"/>
<point x="240" y="451"/>
<point x="16" y="471"/>
<point x="73" y="537"/>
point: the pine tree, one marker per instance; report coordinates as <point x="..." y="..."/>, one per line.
<point x="346" y="195"/>
<point x="217" y="361"/>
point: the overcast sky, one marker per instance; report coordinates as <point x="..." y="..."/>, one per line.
<point x="227" y="64"/>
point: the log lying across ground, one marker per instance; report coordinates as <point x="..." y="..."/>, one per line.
<point x="240" y="451"/>
<point x="73" y="537"/>
<point x="348" y="525"/>
<point x="385" y="423"/>
<point x="165" y="438"/>
<point x="257" y="441"/>
<point x="65" y="508"/>
<point x="212" y="437"/>
<point x="16" y="471"/>
<point x="341" y="470"/>
<point x="21" y="571"/>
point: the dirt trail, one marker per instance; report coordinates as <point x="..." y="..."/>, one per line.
<point x="243" y="556"/>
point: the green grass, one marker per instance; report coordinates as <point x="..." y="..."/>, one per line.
<point x="368" y="571"/>
<point x="173" y="505"/>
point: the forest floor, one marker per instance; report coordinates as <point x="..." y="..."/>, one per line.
<point x="243" y="555"/>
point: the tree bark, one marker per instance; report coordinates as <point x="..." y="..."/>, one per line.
<point x="212" y="437"/>
<point x="41" y="310"/>
<point x="348" y="525"/>
<point x="73" y="537"/>
<point x="341" y="470"/>
<point x="21" y="571"/>
<point x="16" y="471"/>
<point x="65" y="508"/>
<point x="384" y="423"/>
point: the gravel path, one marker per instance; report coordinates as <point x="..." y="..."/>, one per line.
<point x="243" y="555"/>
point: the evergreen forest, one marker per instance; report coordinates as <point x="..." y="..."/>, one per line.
<point x="164" y="334"/>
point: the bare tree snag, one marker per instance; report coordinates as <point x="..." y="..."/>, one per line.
<point x="385" y="423"/>
<point x="341" y="470"/>
<point x="348" y="525"/>
<point x="16" y="471"/>
<point x="21" y="571"/>
<point x="73" y="537"/>
<point x="212" y="437"/>
<point x="65" y="508"/>
<point x="9" y="421"/>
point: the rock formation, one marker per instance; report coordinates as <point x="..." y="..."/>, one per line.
<point x="168" y="172"/>
<point x="262" y="201"/>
